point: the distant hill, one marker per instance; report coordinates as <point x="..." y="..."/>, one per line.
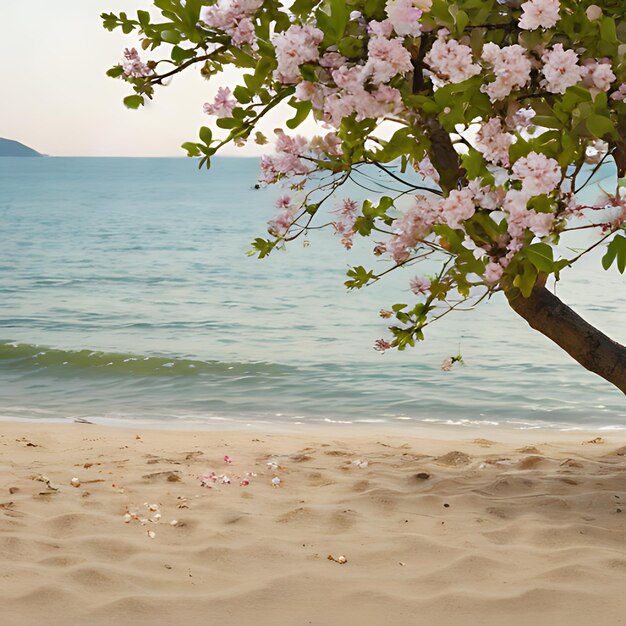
<point x="10" y="148"/>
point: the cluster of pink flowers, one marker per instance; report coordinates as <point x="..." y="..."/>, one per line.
<point x="520" y="217"/>
<point x="342" y="87"/>
<point x="386" y="58"/>
<point x="349" y="94"/>
<point x="416" y="222"/>
<point x="494" y="143"/>
<point x="223" y="104"/>
<point x="294" y="47"/>
<point x="287" y="161"/>
<point x="450" y="60"/>
<point x="410" y="228"/>
<point x="539" y="14"/>
<point x="344" y="226"/>
<point x="485" y="196"/>
<point x="561" y="69"/>
<point x="325" y="146"/>
<point x="133" y="65"/>
<point x="404" y="15"/>
<point x="283" y="221"/>
<point x="538" y="174"/>
<point x="234" y="17"/>
<point x="511" y="67"/>
<point x="458" y="206"/>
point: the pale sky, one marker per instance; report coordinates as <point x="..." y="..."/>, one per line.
<point x="55" y="97"/>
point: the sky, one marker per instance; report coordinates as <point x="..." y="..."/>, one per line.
<point x="55" y="97"/>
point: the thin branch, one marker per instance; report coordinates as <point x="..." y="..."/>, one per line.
<point x="158" y="79"/>
<point x="404" y="182"/>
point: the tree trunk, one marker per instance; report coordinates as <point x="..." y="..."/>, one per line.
<point x="589" y="346"/>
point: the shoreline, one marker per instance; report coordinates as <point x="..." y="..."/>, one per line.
<point x="400" y="426"/>
<point x="485" y="527"/>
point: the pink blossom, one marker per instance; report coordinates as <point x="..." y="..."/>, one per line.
<point x="283" y="221"/>
<point x="133" y="65"/>
<point x="484" y="196"/>
<point x="350" y="79"/>
<point x="287" y="161"/>
<point x="539" y="14"/>
<point x="451" y="61"/>
<point x="419" y="284"/>
<point x="234" y="18"/>
<point x="598" y="74"/>
<point x="540" y="223"/>
<point x="223" y="104"/>
<point x="283" y="202"/>
<point x="410" y="228"/>
<point x="294" y="47"/>
<point x="337" y="107"/>
<point x="493" y="142"/>
<point x="344" y="226"/>
<point x="520" y="118"/>
<point x="387" y="58"/>
<point x="380" y="29"/>
<point x="519" y="217"/>
<point x="313" y="92"/>
<point x="427" y="170"/>
<point x="458" y="206"/>
<point x="620" y="93"/>
<point x="333" y="60"/>
<point x="493" y="272"/>
<point x="243" y="33"/>
<point x="538" y="174"/>
<point x="511" y="67"/>
<point x="404" y="15"/>
<point x="327" y="146"/>
<point x="561" y="69"/>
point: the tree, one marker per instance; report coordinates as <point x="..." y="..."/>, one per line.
<point x="506" y="111"/>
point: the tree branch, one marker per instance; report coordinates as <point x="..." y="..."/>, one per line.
<point x="589" y="346"/>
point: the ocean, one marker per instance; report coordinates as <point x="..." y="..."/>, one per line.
<point x="126" y="295"/>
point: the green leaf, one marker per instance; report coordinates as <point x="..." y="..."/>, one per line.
<point x="358" y="277"/>
<point x="616" y="250"/>
<point x="302" y="111"/>
<point x="191" y="148"/>
<point x="526" y="280"/>
<point x="599" y="125"/>
<point x="133" y="102"/>
<point x="206" y="135"/>
<point x="462" y="20"/>
<point x="242" y="94"/>
<point x="541" y="256"/>
<point x="170" y="36"/>
<point x="608" y="32"/>
<point x="115" y="72"/>
<point x="262" y="247"/>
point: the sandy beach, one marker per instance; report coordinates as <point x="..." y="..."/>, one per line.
<point x="435" y="527"/>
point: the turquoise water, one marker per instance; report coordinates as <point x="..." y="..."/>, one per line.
<point x="126" y="294"/>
